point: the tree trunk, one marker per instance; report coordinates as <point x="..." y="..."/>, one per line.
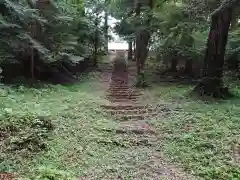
<point x="174" y="65"/>
<point x="142" y="40"/>
<point x="106" y="30"/>
<point x="188" y="67"/>
<point x="95" y="53"/>
<point x="32" y="64"/>
<point x="134" y="50"/>
<point x="138" y="48"/>
<point x="212" y="83"/>
<point x="234" y="22"/>
<point x="130" y="52"/>
<point x="95" y="45"/>
<point x="142" y="50"/>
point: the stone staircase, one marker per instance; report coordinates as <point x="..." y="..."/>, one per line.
<point x="124" y="104"/>
<point x="133" y="117"/>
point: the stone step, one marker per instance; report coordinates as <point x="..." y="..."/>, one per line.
<point x="135" y="117"/>
<point x="123" y="93"/>
<point x="123" y="106"/>
<point x="117" y="84"/>
<point x="129" y="117"/>
<point x="123" y="100"/>
<point x="115" y="87"/>
<point x="119" y="81"/>
<point x="119" y="89"/>
<point x="112" y="86"/>
<point x="135" y="127"/>
<point x="132" y="111"/>
<point x="120" y="77"/>
<point x="122" y="97"/>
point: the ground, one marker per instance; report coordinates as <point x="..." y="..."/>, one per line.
<point x="183" y="138"/>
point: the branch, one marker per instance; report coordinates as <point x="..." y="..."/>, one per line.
<point x="31" y="4"/>
<point x="226" y="5"/>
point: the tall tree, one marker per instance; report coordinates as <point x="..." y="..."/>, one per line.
<point x="130" y="50"/>
<point x="107" y="2"/>
<point x="143" y="34"/>
<point x="212" y="83"/>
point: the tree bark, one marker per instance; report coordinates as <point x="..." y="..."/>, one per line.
<point x="174" y="63"/>
<point x="106" y="30"/>
<point x="95" y="44"/>
<point x="188" y="67"/>
<point x="142" y="40"/>
<point x="138" y="48"/>
<point x="130" y="51"/>
<point x="212" y="83"/>
<point x="134" y="50"/>
<point x="234" y="20"/>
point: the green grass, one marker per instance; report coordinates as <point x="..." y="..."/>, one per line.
<point x="78" y="145"/>
<point x="75" y="112"/>
<point x="200" y="135"/>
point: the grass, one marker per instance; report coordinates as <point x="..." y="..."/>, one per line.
<point x="79" y="144"/>
<point x="75" y="112"/>
<point x="200" y="135"/>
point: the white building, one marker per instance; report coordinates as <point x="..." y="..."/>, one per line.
<point x="117" y="46"/>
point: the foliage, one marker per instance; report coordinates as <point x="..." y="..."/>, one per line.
<point x="84" y="140"/>
<point x="178" y="33"/>
<point x="232" y="52"/>
<point x="140" y="81"/>
<point x="80" y="126"/>
<point x="46" y="37"/>
<point x="48" y="173"/>
<point x="19" y="132"/>
<point x="179" y="28"/>
<point x="64" y="127"/>
<point x="201" y="135"/>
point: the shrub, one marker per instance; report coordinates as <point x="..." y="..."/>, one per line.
<point x="29" y="132"/>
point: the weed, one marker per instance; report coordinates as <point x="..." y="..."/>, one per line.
<point x="200" y="134"/>
<point x="24" y="132"/>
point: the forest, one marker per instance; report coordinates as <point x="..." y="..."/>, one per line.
<point x="65" y="115"/>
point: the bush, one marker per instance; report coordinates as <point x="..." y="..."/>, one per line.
<point x="24" y="132"/>
<point x="49" y="173"/>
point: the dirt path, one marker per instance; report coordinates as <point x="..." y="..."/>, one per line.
<point x="133" y="119"/>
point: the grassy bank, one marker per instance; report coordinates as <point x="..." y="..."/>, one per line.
<point x="64" y="133"/>
<point x="201" y="135"/>
<point x="74" y="112"/>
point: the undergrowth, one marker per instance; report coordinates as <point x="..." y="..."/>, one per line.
<point x="39" y="127"/>
<point x="80" y="142"/>
<point x="61" y="132"/>
<point x="201" y="135"/>
<point x="24" y="132"/>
